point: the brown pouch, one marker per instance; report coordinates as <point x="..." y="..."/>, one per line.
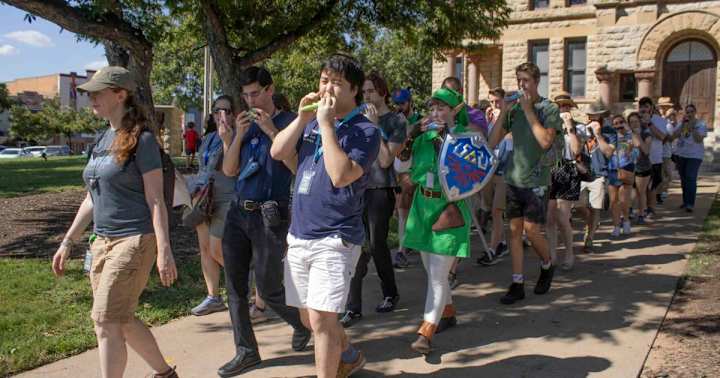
<point x="451" y="217"/>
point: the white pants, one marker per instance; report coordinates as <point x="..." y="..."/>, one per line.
<point x="438" y="289"/>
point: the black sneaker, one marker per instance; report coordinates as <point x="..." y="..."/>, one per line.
<point x="388" y="304"/>
<point x="489" y="258"/>
<point x="501" y="249"/>
<point x="350" y="318"/>
<point x="515" y="293"/>
<point x="543" y="283"/>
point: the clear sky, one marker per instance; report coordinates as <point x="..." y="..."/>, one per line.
<point x="41" y="48"/>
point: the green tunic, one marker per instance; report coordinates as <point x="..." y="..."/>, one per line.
<point x="425" y="211"/>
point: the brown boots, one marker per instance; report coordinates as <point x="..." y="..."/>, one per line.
<point x="425" y="333"/>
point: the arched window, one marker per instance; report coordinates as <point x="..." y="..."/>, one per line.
<point x="690" y="51"/>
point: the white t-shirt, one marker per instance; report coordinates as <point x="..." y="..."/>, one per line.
<point x="656" y="145"/>
<point x="686" y="145"/>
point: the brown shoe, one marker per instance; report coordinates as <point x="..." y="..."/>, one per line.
<point x="168" y="374"/>
<point x="346" y="370"/>
<point x="422" y="345"/>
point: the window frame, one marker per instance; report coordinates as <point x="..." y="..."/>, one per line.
<point x="568" y="71"/>
<point x="531" y="45"/>
<point x="531" y="5"/>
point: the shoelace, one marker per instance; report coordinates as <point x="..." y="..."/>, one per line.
<point x="387" y="302"/>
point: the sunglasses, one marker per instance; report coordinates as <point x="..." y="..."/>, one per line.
<point x="218" y="110"/>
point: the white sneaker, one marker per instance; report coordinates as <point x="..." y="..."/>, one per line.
<point x="615" y="232"/>
<point x="626" y="228"/>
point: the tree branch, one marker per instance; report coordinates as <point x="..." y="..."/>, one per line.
<point x="266" y="51"/>
<point x="109" y="26"/>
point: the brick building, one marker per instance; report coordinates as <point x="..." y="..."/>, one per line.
<point x="33" y="91"/>
<point x="614" y="50"/>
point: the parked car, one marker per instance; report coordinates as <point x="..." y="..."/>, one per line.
<point x="14" y="153"/>
<point x="58" y="151"/>
<point x="36" y="151"/>
<point x="2" y="147"/>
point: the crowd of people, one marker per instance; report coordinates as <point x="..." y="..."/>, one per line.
<point x="296" y="196"/>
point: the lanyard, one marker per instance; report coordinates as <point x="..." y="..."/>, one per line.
<point x="206" y="155"/>
<point x="338" y="125"/>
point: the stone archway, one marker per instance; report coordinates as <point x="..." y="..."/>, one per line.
<point x="668" y="30"/>
<point x="667" y="33"/>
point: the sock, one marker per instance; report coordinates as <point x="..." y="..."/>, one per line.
<point x="349" y="355"/>
<point x="518" y="278"/>
<point x="546" y="265"/>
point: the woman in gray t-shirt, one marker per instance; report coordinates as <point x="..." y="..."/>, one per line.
<point x="210" y="233"/>
<point x="125" y="202"/>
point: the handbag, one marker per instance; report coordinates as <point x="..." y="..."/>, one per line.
<point x="451" y="217"/>
<point x="201" y="209"/>
<point x="202" y="206"/>
<point x="626" y="176"/>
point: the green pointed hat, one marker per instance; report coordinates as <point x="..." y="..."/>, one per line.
<point x="452" y="99"/>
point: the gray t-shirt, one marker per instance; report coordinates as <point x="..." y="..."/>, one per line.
<point x="119" y="205"/>
<point x="393" y="126"/>
<point x="211" y="151"/>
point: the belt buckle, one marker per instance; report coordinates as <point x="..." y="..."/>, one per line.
<point x="249" y="205"/>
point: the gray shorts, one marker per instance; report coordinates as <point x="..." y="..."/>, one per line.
<point x="217" y="222"/>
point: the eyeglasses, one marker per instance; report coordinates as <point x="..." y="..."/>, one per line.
<point x="218" y="110"/>
<point x="255" y="93"/>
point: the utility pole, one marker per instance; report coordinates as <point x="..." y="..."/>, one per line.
<point x="207" y="90"/>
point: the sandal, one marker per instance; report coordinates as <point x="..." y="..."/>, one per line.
<point x="168" y="374"/>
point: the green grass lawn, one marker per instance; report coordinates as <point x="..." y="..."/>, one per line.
<point x="43" y="319"/>
<point x="704" y="260"/>
<point x="34" y="175"/>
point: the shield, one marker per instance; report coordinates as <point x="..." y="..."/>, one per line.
<point x="465" y="166"/>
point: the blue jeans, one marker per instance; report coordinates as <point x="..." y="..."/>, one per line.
<point x="688" y="169"/>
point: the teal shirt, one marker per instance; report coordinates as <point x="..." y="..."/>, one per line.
<point x="527" y="168"/>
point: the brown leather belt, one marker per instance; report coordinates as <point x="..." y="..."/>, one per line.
<point x="429" y="193"/>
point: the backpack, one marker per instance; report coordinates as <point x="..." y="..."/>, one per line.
<point x="168" y="178"/>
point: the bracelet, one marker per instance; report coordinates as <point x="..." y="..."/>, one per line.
<point x="68" y="243"/>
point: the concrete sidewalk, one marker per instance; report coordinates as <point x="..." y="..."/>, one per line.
<point x="598" y="320"/>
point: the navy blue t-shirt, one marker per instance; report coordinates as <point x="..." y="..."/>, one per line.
<point x="327" y="211"/>
<point x="271" y="180"/>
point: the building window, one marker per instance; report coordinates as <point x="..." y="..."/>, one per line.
<point x="539" y="4"/>
<point x="571" y="3"/>
<point x="576" y="64"/>
<point x="628" y="87"/>
<point x="459" y="68"/>
<point x="539" y="55"/>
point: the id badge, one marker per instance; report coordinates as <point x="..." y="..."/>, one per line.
<point x="306" y="182"/>
<point x="87" y="263"/>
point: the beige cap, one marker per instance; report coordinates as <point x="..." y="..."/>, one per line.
<point x="109" y="77"/>
<point x="564" y="98"/>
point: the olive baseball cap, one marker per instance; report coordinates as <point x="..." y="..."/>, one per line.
<point x="109" y="77"/>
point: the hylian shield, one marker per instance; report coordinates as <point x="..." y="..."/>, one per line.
<point x="465" y="166"/>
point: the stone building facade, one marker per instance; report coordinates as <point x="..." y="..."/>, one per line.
<point x="612" y="50"/>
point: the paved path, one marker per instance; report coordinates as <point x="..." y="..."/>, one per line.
<point x="598" y="320"/>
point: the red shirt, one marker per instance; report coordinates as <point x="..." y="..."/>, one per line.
<point x="191" y="138"/>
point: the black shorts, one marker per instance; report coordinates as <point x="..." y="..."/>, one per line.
<point x="565" y="182"/>
<point x="643" y="173"/>
<point x="528" y="203"/>
<point x="657" y="176"/>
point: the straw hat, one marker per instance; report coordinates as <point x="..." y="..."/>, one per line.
<point x="564" y="98"/>
<point x="665" y="102"/>
<point x="597" y="109"/>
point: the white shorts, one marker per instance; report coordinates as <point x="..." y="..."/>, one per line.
<point x="318" y="273"/>
<point x="592" y="193"/>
